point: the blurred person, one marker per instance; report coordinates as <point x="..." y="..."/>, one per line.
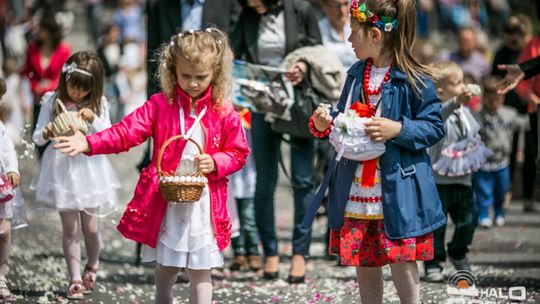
<point x="110" y="51"/>
<point x="335" y="29"/>
<point x="497" y="126"/>
<point x="130" y="80"/>
<point x="46" y="56"/>
<point x="128" y="17"/>
<point x="529" y="91"/>
<point x="455" y="188"/>
<point x="517" y="33"/>
<point x="18" y="100"/>
<point x="266" y="32"/>
<point x="94" y="10"/>
<point x="469" y="58"/>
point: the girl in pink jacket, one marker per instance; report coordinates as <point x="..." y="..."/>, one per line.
<point x="195" y="74"/>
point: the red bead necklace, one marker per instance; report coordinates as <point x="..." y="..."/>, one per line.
<point x="367" y="72"/>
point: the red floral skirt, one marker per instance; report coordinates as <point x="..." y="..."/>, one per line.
<point x="364" y="243"/>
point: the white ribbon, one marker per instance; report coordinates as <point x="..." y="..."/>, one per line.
<point x="183" y="127"/>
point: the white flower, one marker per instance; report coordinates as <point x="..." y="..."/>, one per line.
<point x="388" y="27"/>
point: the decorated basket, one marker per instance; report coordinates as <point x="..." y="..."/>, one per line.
<point x="62" y="122"/>
<point x="6" y="189"/>
<point x="180" y="187"/>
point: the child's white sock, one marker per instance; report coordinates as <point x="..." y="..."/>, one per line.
<point x="200" y="286"/>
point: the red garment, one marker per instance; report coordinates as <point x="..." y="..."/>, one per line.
<point x="225" y="142"/>
<point x="43" y="80"/>
<point x="531" y="85"/>
<point x="364" y="243"/>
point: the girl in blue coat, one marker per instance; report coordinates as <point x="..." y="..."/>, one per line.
<point x="383" y="211"/>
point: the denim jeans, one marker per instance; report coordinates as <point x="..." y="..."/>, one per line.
<point x="266" y="150"/>
<point x="247" y="243"/>
<point x="490" y="189"/>
<point x="458" y="202"/>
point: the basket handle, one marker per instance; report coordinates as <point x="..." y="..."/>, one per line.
<point x="162" y="149"/>
<point x="61" y="105"/>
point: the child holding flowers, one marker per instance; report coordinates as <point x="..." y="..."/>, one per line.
<point x="383" y="203"/>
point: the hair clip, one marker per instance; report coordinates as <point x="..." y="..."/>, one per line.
<point x="191" y="31"/>
<point x="219" y="42"/>
<point x="171" y="44"/>
<point x="71" y="68"/>
<point x="180" y="35"/>
<point x="209" y="30"/>
<point x="363" y="15"/>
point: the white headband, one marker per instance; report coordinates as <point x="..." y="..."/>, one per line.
<point x="72" y="67"/>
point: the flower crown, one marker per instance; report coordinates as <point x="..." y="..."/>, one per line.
<point x="362" y="14"/>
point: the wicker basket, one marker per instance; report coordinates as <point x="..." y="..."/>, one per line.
<point x="180" y="188"/>
<point x="62" y="122"/>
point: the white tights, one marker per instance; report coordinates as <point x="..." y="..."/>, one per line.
<point x="72" y="224"/>
<point x="404" y="276"/>
<point x="200" y="285"/>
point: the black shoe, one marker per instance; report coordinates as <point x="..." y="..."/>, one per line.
<point x="462" y="264"/>
<point x="270" y="275"/>
<point x="297" y="280"/>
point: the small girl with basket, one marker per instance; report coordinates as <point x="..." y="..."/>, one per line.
<point x="77" y="187"/>
<point x="383" y="203"/>
<point x="178" y="227"/>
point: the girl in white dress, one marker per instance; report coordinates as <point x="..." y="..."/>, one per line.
<point x="8" y="168"/>
<point x="78" y="187"/>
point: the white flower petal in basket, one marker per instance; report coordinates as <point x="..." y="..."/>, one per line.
<point x="182" y="179"/>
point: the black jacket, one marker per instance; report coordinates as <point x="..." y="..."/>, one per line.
<point x="165" y="19"/>
<point x="301" y="29"/>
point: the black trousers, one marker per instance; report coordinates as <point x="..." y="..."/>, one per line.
<point x="458" y="202"/>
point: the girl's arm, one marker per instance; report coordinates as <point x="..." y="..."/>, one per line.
<point x="45" y="117"/>
<point x="234" y="151"/>
<point x="425" y="127"/>
<point x="133" y="130"/>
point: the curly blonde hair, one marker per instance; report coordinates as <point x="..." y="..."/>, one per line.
<point x="206" y="48"/>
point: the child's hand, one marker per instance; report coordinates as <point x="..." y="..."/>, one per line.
<point x="72" y="145"/>
<point x="321" y="119"/>
<point x="87" y="115"/>
<point x="205" y="163"/>
<point x="14" y="179"/>
<point x="47" y="132"/>
<point x="297" y="72"/>
<point x="381" y="129"/>
<point x="464" y="97"/>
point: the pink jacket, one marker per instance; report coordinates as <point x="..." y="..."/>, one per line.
<point x="225" y="142"/>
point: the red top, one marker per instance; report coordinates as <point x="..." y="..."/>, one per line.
<point x="531" y="85"/>
<point x="43" y="80"/>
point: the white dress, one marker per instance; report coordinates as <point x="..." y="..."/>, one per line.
<point x="187" y="238"/>
<point x="74" y="183"/>
<point x="14" y="208"/>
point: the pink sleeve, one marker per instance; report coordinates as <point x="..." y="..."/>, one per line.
<point x="235" y="149"/>
<point x="133" y="130"/>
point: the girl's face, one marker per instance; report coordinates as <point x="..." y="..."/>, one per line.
<point x="362" y="42"/>
<point x="75" y="94"/>
<point x="192" y="79"/>
<point x="258" y="6"/>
